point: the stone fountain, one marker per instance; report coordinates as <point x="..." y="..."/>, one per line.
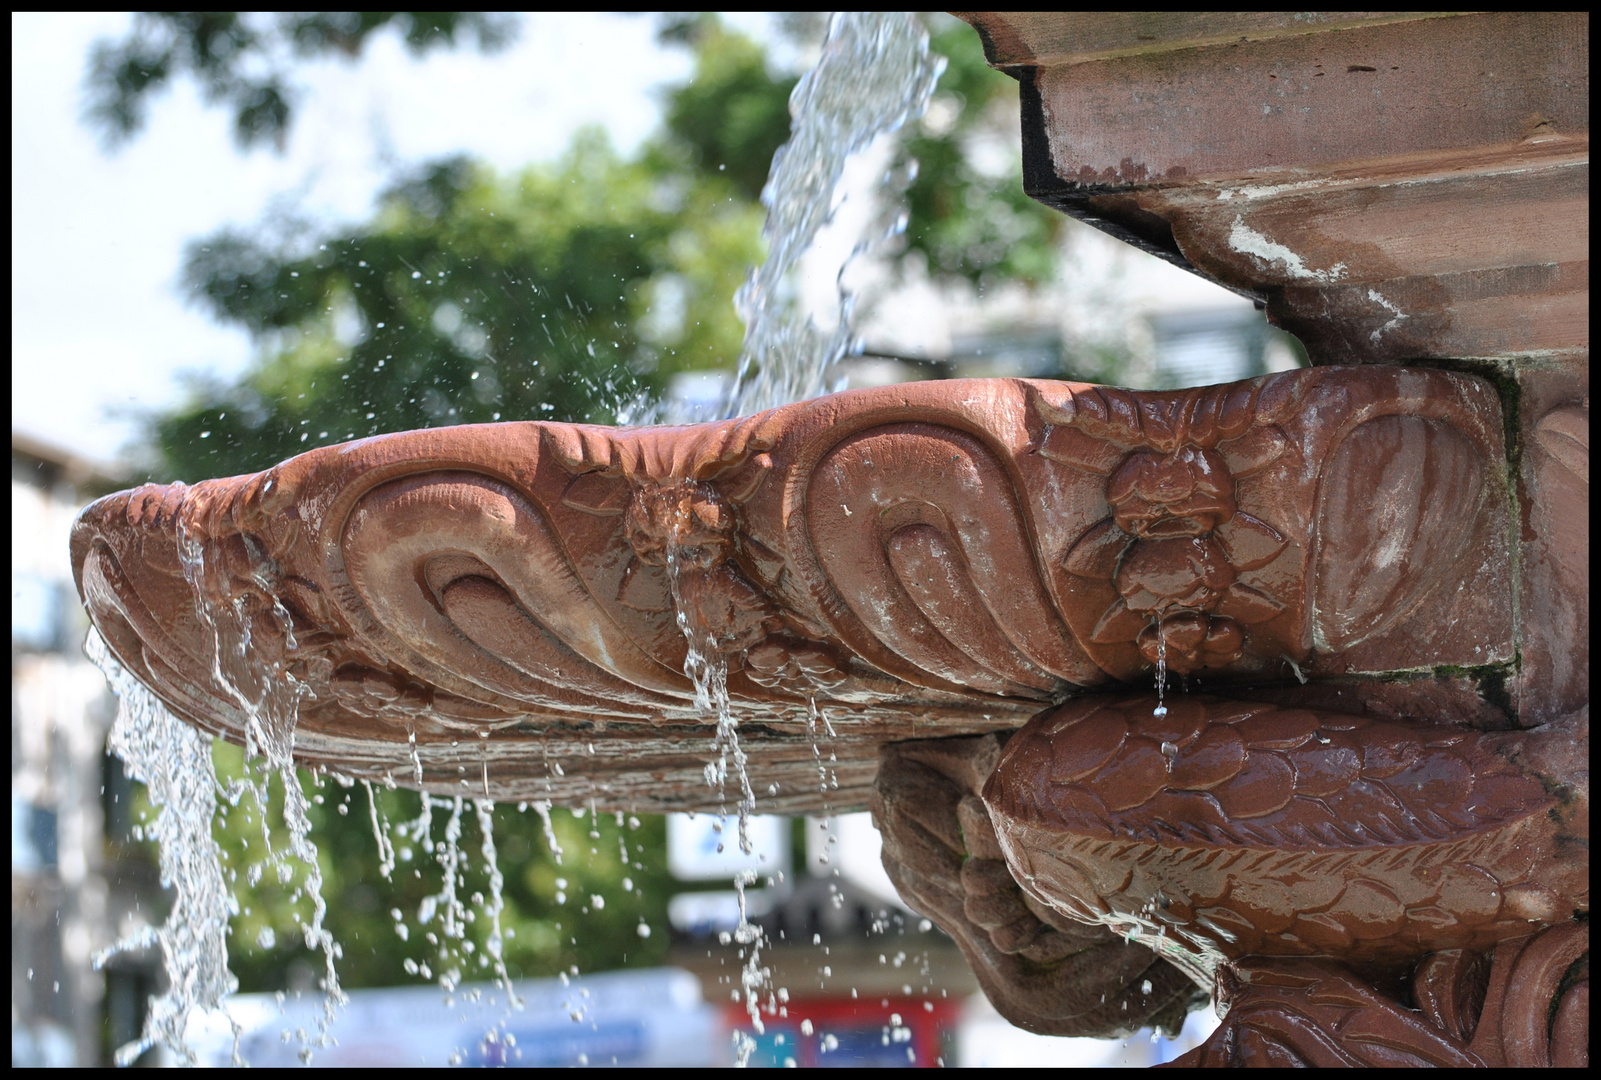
<point x="1364" y="835"/>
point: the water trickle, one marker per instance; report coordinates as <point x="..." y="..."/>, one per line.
<point x="542" y="808"/>
<point x="813" y="717"/>
<point x="380" y="834"/>
<point x="753" y="978"/>
<point x="253" y="645"/>
<point x="707" y="670"/>
<point x="1161" y="670"/>
<point x="495" y="944"/>
<point x="416" y="758"/>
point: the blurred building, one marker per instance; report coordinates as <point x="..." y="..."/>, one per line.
<point x="1113" y="315"/>
<point x="77" y="884"/>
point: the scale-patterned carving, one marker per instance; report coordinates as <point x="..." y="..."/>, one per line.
<point x="1217" y="829"/>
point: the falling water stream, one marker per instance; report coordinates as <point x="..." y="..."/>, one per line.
<point x="875" y="74"/>
<point x="173" y="761"/>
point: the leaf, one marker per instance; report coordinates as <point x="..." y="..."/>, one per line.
<point x="1119" y="624"/>
<point x="1248" y="605"/>
<point x="598" y="494"/>
<point x="1565" y="435"/>
<point x="1070" y="446"/>
<point x="1249" y="543"/>
<point x="1095" y="554"/>
<point x="1396" y="506"/>
<point x="1255" y="450"/>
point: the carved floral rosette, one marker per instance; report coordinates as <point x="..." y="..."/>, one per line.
<point x="919" y="560"/>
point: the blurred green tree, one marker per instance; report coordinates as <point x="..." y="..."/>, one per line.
<point x="570" y="292"/>
<point x="240" y="58"/>
<point x="967" y="214"/>
<point x="392" y="927"/>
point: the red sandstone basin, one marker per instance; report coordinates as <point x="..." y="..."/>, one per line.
<point x="918" y="560"/>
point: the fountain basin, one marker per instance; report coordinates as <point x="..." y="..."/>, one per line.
<point x="496" y="608"/>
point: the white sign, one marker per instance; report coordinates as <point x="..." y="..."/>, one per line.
<point x="851" y="845"/>
<point x="706" y="847"/>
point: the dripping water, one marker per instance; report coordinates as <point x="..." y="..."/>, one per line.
<point x="250" y="667"/>
<point x="416" y="758"/>
<point x="707" y="670"/>
<point x="542" y="808"/>
<point x="1161" y="669"/>
<point x="495" y="944"/>
<point x="380" y="834"/>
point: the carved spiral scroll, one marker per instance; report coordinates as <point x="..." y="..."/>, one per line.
<point x="497" y="603"/>
<point x="921" y="534"/>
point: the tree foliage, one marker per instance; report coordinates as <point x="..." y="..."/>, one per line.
<point x="240" y="59"/>
<point x="968" y="216"/>
<point x="568" y="292"/>
<point x="733" y="114"/>
<point x="550" y="921"/>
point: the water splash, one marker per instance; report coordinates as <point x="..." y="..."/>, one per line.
<point x="173" y="761"/>
<point x="875" y="74"/>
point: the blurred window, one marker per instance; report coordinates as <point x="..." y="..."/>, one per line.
<point x="1203" y="348"/>
<point x="35" y="611"/>
<point x="116" y="800"/>
<point x="33" y="837"/>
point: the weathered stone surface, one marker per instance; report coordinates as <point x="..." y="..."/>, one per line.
<point x="1520" y="1008"/>
<point x="919" y="560"/>
<point x="1392" y="185"/>
<point x="1554" y="497"/>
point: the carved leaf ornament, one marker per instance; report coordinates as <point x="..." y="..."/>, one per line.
<point x="1176" y="541"/>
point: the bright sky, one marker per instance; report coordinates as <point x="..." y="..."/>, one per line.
<point x="99" y="325"/>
